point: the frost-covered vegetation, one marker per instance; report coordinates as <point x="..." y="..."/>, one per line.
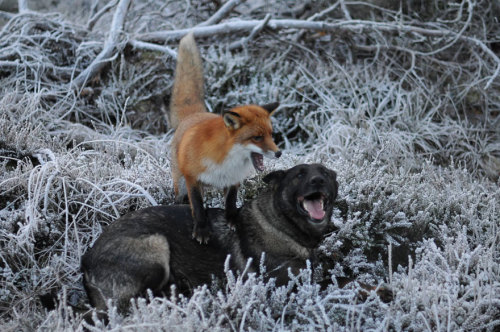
<point x="401" y="98"/>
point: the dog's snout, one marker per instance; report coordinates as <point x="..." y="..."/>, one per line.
<point x="277" y="154"/>
<point x="317" y="181"/>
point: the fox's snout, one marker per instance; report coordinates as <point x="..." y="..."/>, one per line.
<point x="273" y="154"/>
<point x="270" y="149"/>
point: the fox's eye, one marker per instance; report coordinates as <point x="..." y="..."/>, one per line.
<point x="258" y="138"/>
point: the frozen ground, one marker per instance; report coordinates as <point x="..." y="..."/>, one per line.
<point x="401" y="98"/>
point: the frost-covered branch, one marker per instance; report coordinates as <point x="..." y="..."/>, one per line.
<point x="221" y="13"/>
<point x="23" y="6"/>
<point x="109" y="47"/>
<point x="6" y="15"/>
<point x="248" y="25"/>
<point x="93" y="20"/>
<point x="153" y="47"/>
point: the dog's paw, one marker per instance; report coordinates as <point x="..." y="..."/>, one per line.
<point x="201" y="234"/>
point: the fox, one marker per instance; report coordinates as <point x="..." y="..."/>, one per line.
<point x="209" y="149"/>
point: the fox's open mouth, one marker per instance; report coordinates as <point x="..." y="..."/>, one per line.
<point x="258" y="161"/>
<point x="313" y="205"/>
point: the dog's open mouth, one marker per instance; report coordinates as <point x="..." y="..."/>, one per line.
<point x="313" y="205"/>
<point x="258" y="161"/>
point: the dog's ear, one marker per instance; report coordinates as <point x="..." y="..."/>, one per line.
<point x="232" y="120"/>
<point x="333" y="174"/>
<point x="274" y="178"/>
<point x="271" y="107"/>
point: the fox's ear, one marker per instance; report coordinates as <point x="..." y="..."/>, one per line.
<point x="271" y="107"/>
<point x="274" y="178"/>
<point x="232" y="120"/>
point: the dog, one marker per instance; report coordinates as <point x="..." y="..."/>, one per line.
<point x="152" y="248"/>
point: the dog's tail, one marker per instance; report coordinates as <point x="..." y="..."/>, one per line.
<point x="188" y="91"/>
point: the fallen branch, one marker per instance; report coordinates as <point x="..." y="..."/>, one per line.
<point x="221" y="13"/>
<point x="109" y="46"/>
<point x="244" y="26"/>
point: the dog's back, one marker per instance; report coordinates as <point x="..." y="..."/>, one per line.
<point x="151" y="249"/>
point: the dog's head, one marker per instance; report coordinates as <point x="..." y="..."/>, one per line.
<point x="305" y="195"/>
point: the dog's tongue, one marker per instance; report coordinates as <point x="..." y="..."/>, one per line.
<point x="315" y="208"/>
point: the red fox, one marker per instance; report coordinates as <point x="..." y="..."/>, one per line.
<point x="210" y="149"/>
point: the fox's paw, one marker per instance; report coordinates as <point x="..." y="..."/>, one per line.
<point x="201" y="233"/>
<point x="232" y="225"/>
<point x="231" y="222"/>
<point x="231" y="219"/>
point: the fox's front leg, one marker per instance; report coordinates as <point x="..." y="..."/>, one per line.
<point x="231" y="209"/>
<point x="201" y="228"/>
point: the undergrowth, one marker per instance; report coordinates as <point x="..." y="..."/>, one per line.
<point x="408" y="121"/>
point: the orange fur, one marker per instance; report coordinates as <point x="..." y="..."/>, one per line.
<point x="209" y="148"/>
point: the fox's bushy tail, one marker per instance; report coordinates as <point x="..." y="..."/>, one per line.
<point x="188" y="91"/>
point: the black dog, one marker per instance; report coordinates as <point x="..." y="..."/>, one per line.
<point x="152" y="248"/>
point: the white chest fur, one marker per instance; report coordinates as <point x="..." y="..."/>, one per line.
<point x="236" y="167"/>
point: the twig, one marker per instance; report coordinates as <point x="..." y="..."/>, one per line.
<point x="93" y="8"/>
<point x="323" y="12"/>
<point x="221" y="13"/>
<point x="6" y="15"/>
<point x="153" y="47"/>
<point x="93" y="20"/>
<point x="23" y="6"/>
<point x="345" y="10"/>
<point x="254" y="32"/>
<point x="110" y="45"/>
<point x="26" y="64"/>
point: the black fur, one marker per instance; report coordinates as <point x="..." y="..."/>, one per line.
<point x="201" y="228"/>
<point x="153" y="248"/>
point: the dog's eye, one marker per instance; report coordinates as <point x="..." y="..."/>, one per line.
<point x="258" y="138"/>
<point x="301" y="174"/>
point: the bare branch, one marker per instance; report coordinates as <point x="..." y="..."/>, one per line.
<point x="110" y="45"/>
<point x="23" y="6"/>
<point x="242" y="26"/>
<point x="345" y="10"/>
<point x="323" y="12"/>
<point x="221" y="13"/>
<point x="93" y="20"/>
<point x="6" y="15"/>
<point x="153" y="47"/>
